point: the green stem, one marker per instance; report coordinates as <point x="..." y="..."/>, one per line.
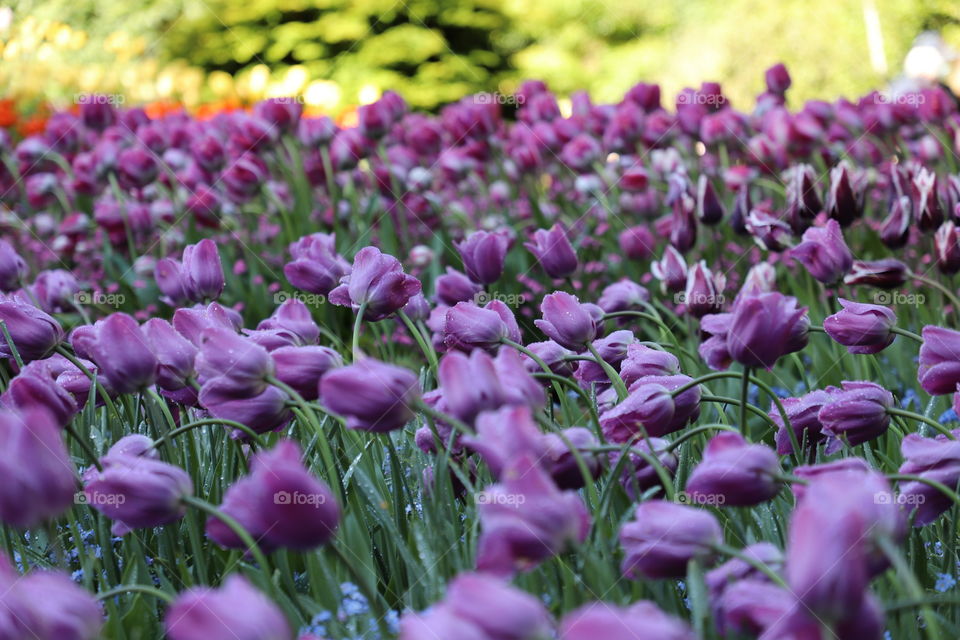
<point x="615" y="378"/>
<point x="425" y="346"/>
<point x="206" y="421"/>
<point x="456" y="423"/>
<point x="896" y="558"/>
<point x="85" y="446"/>
<point x="356" y="331"/>
<point x="135" y="588"/>
<point x="744" y="391"/>
<point x="13" y="347"/>
<point x="907" y="334"/>
<point x="100" y="388"/>
<point x="726" y="549"/>
<point x="944" y="290"/>
<point x="903" y="413"/>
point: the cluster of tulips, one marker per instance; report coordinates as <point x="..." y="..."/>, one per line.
<point x="620" y="373"/>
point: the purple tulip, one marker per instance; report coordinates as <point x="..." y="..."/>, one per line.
<point x="293" y="317"/>
<point x="664" y="536"/>
<point x="40" y="477"/>
<point x="824" y="253"/>
<point x="453" y="287"/>
<point x="638" y="472"/>
<point x="553" y="355"/>
<point x="137" y="167"/>
<point x="201" y="271"/>
<point x="612" y="349"/>
<point x="777" y="78"/>
<point x="651" y="410"/>
<point x="671" y="270"/>
<point x="503" y="434"/>
<point x="568" y="322"/>
<point x="926" y="199"/>
<point x="264" y="411"/>
<point x="230" y="357"/>
<point x="703" y="293"/>
<point x="804" y="416"/>
<point x="526" y="519"/>
<point x="192" y="322"/>
<point x="895" y="229"/>
<point x="302" y="367"/>
<point x="845" y="200"/>
<point x="281" y="504"/>
<point x="136" y="491"/>
<point x="769" y="231"/>
<point x="235" y="610"/>
<point x="643" y="361"/>
<point x="623" y="295"/>
<point x="13" y="268"/>
<point x="553" y="251"/>
<point x="168" y="275"/>
<point x="640" y="620"/>
<point x="371" y="395"/>
<point x="438" y="622"/>
<point x="637" y="243"/>
<point x="36" y="389"/>
<point x="377" y="284"/>
<point x="316" y="265"/>
<point x="122" y="353"/>
<point x="467" y="326"/>
<point x="750" y="606"/>
<point x="862" y="328"/>
<point x="857" y="413"/>
<point x="175" y="354"/>
<point x="710" y="209"/>
<point x="483" y="254"/>
<point x="561" y="461"/>
<point x="885" y="274"/>
<point x="55" y="290"/>
<point x="474" y="384"/>
<point x="34" y="333"/>
<point x="765" y="327"/>
<point x="734" y="472"/>
<point x="939" y="370"/>
<point x="946" y="245"/>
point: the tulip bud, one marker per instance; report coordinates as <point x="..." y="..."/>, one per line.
<point x="885" y="274"/>
<point x="824" y="253"/>
<point x="804" y="416"/>
<point x="302" y="367"/>
<point x="946" y="244"/>
<point x="710" y="210"/>
<point x="262" y="411"/>
<point x="862" y="328"/>
<point x="483" y="254"/>
<point x="936" y="459"/>
<point x="316" y="265"/>
<point x="34" y="333"/>
<point x="503" y="434"/>
<point x="895" y="229"/>
<point x="928" y="208"/>
<point x="671" y="270"/>
<point x="734" y="472"/>
<point x="467" y="326"/>
<point x="939" y="369"/>
<point x="844" y="203"/>
<point x="553" y="251"/>
<point x="235" y="610"/>
<point x="664" y="536"/>
<point x="453" y="287"/>
<point x="765" y="327"/>
<point x="857" y="414"/>
<point x="201" y="271"/>
<point x="371" y="395"/>
<point x="13" y="268"/>
<point x="561" y="462"/>
<point x="703" y="293"/>
<point x="224" y="354"/>
<point x="567" y="322"/>
<point x="637" y="243"/>
<point x="122" y="353"/>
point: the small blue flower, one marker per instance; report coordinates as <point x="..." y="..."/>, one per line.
<point x="945" y="582"/>
<point x="949" y="416"/>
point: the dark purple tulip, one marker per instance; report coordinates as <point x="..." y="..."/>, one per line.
<point x="453" y="287"/>
<point x="377" y="283"/>
<point x="568" y="322"/>
<point x="927" y="201"/>
<point x="735" y="570"/>
<point x="55" y="290"/>
<point x="647" y="410"/>
<point x="13" y="268"/>
<point x="97" y="112"/>
<point x="851" y="466"/>
<point x="40" y="479"/>
<point x="888" y="273"/>
<point x="553" y="251"/>
<point x="504" y="434"/>
<point x="862" y="328"/>
<point x="777" y="78"/>
<point x="35" y="389"/>
<point x="282" y="113"/>
<point x="765" y="327"/>
<point x="137" y="167"/>
<point x="804" y="416"/>
<point x="483" y="253"/>
<point x="294" y="318"/>
<point x="244" y="177"/>
<point x="640" y="620"/>
<point x="302" y="367"/>
<point x="201" y="271"/>
<point x="935" y="459"/>
<point x="34" y="333"/>
<point x="280" y="503"/>
<point x="749" y="606"/>
<point x="264" y="411"/>
<point x="122" y="353"/>
<point x="371" y="395"/>
<point x="231" y="357"/>
<point x="553" y="355"/>
<point x="637" y="243"/>
<point x="235" y="610"/>
<point x="467" y="326"/>
<point x="714" y="349"/>
<point x="703" y="294"/>
<point x="526" y="519"/>
<point x="844" y="203"/>
<point x="472" y="384"/>
<point x="418" y="308"/>
<point x="939" y="370"/>
<point x="664" y="536"/>
<point x="769" y="231"/>
<point x="316" y="265"/>
<point x="168" y="274"/>
<point x="208" y="152"/>
<point x="895" y="229"/>
<point x="642" y="361"/>
<point x="734" y="472"/>
<point x="671" y="270"/>
<point x="710" y="210"/>
<point x="562" y="464"/>
<point x="946" y="244"/>
<point x="638" y="472"/>
<point x="612" y="349"/>
<point x="136" y="491"/>
<point x="824" y="253"/>
<point x="803" y="201"/>
<point x="857" y="413"/>
<point x="192" y="322"/>
<point x="622" y="296"/>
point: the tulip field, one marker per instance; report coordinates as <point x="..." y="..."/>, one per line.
<point x="504" y="372"/>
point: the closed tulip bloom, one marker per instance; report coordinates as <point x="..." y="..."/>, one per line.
<point x="804" y="416"/>
<point x="709" y="207"/>
<point x="777" y="78"/>
<point x="175" y="354"/>
<point x="13" y="268"/>
<point x="376" y="283"/>
<point x="862" y="328"/>
<point x="852" y="466"/>
<point x="39" y="477"/>
<point x="39" y="390"/>
<point x="637" y="243"/>
<point x="803" y="200"/>
<point x="648" y="409"/>
<point x="642" y="361"/>
<point x="640" y="620"/>
<point x="664" y="536"/>
<point x="734" y="472"/>
<point x="946" y="244"/>
<point x="888" y="273"/>
<point x="844" y="201"/>
<point x="483" y="253"/>
<point x="612" y="349"/>
<point x="857" y="413"/>
<point x="371" y="395"/>
<point x="122" y="353"/>
<point x="453" y="287"/>
<point x="639" y="473"/>
<point x="137" y="166"/>
<point x="526" y="519"/>
<point x="47" y="605"/>
<point x="939" y="369"/>
<point x="623" y="295"/>
<point x="237" y="610"/>
<point x="750" y="606"/>
<point x="293" y="317"/>
<point x="34" y="333"/>
<point x="501" y="611"/>
<point x="714" y="349"/>
<point x="553" y="355"/>
<point x="467" y="326"/>
<point x="671" y="270"/>
<point x="316" y="265"/>
<point x="935" y="459"/>
<point x="302" y="367"/>
<point x="895" y="229"/>
<point x="769" y="231"/>
<point x="561" y="462"/>
<point x="262" y="411"/>
<point x="765" y="327"/>
<point x="553" y="251"/>
<point x="202" y="272"/>
<point x="280" y="503"/>
<point x="169" y="278"/>
<point x="568" y="322"/>
<point x="504" y="434"/>
<point x="703" y="294"/>
<point x="824" y="253"/>
<point x="926" y="200"/>
<point x="225" y="354"/>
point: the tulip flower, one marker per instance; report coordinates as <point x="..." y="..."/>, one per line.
<point x="228" y="356"/>
<point x="376" y="284"/>
<point x="553" y="355"/>
<point x="483" y="254"/>
<point x="122" y="353"/>
<point x="804" y="416"/>
<point x="34" y="333"/>
<point x="734" y="472"/>
<point x="262" y="411"/>
<point x="235" y="610"/>
<point x="561" y="461"/>
<point x="175" y="354"/>
<point x="371" y="395"/>
<point x="642" y="361"/>
<point x="862" y="328"/>
<point x="201" y="271"/>
<point x="612" y="349"/>
<point x="844" y="201"/>
<point x="765" y="327"/>
<point x="777" y="78"/>
<point x="316" y="266"/>
<point x="293" y="317"/>
<point x="453" y="287"/>
<point x="946" y="244"/>
<point x="623" y="295"/>
<point x="664" y="536"/>
<point x="703" y="293"/>
<point x="824" y="253"/>
<point x="639" y="473"/>
<point x="34" y="389"/>
<point x="467" y="326"/>
<point x="302" y="367"/>
<point x="939" y="370"/>
<point x="926" y="200"/>
<point x="568" y="322"/>
<point x="503" y="434"/>
<point x="671" y="270"/>
<point x="935" y="459"/>
<point x="857" y="413"/>
<point x="553" y="251"/>
<point x="640" y="620"/>
<point x="637" y="243"/>
<point x="13" y="268"/>
<point x="885" y="274"/>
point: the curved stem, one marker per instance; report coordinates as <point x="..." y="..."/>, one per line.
<point x="903" y="413"/>
<point x="615" y="378"/>
<point x="755" y="410"/>
<point x="907" y="334"/>
<point x="942" y="289"/>
<point x="910" y="580"/>
<point x="356" y="331"/>
<point x="425" y="346"/>
<point x="206" y="421"/>
<point x="93" y="378"/>
<point x="939" y="486"/>
<point x="686" y="435"/>
<point x="85" y="446"/>
<point x="540" y="362"/>
<point x="135" y="588"/>
<point x="456" y="423"/>
<point x="744" y="392"/>
<point x="726" y="549"/>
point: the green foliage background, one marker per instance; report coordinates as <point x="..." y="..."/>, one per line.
<point x="434" y="51"/>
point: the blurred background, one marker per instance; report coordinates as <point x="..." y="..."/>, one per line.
<point x="210" y="55"/>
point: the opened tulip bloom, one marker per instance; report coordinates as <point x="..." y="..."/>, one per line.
<point x="824" y="253"/>
<point x="377" y="284"/>
<point x="765" y="327"/>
